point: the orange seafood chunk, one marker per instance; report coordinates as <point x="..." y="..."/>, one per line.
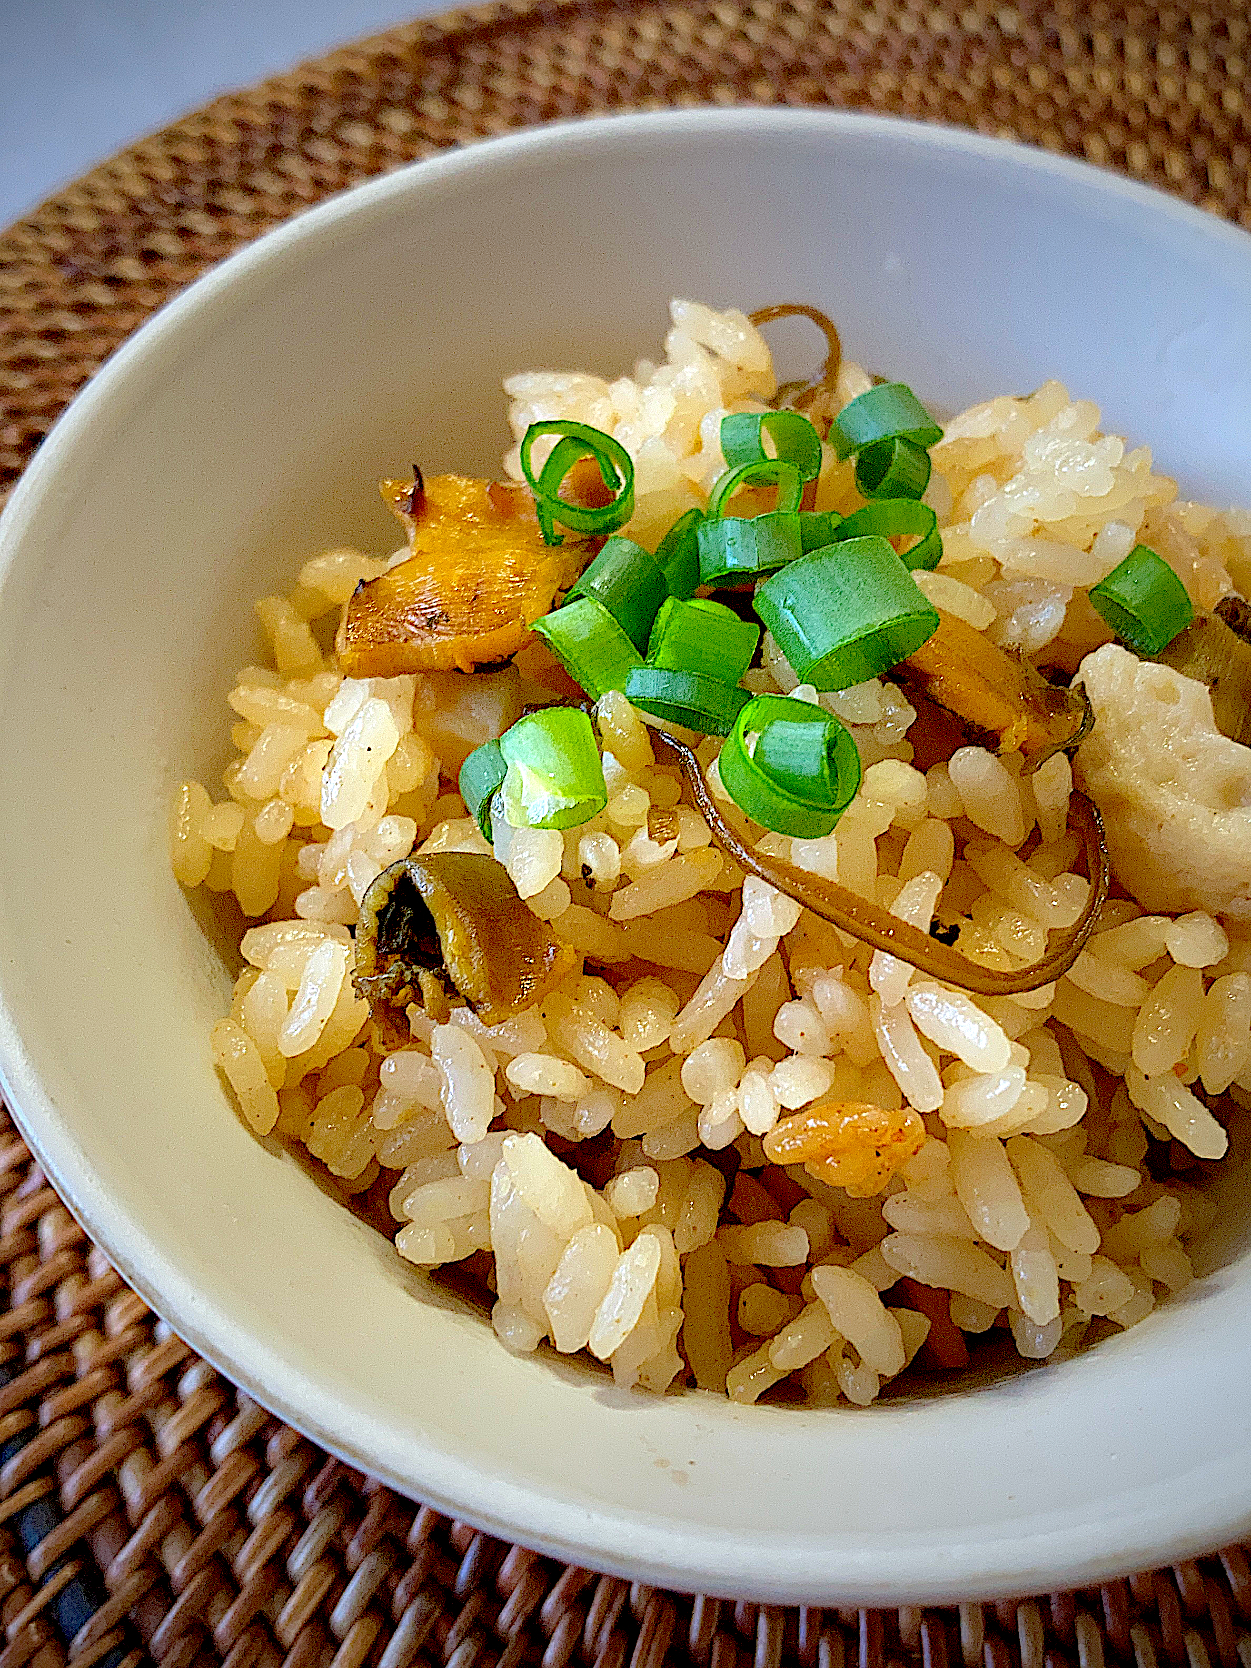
<point x="1002" y="700"/>
<point x="478" y="577"/>
<point x="848" y="1144"/>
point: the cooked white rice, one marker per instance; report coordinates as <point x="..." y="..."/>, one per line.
<point x="706" y="1008"/>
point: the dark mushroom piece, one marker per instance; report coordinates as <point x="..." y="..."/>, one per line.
<point x="1002" y="702"/>
<point x="452" y="921"/>
<point x="1216" y="649"/>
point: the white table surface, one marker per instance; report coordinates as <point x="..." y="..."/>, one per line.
<point x="81" y="78"/>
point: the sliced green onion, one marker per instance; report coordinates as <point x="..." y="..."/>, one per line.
<point x="818" y="528"/>
<point x="589" y="644"/>
<point x="888" y="412"/>
<point x="893" y="469"/>
<point x="846" y="613"/>
<point x="625" y="578"/>
<point x="891" y="518"/>
<point x="1144" y="601"/>
<point x="578" y="440"/>
<point x="740" y="547"/>
<point x="689" y="698"/>
<point x="705" y="637"/>
<point x="560" y="460"/>
<point x="801" y="773"/>
<point x="743" y="547"/>
<point x="769" y="472"/>
<point x="481" y="778"/>
<point x="793" y="436"/>
<point x="555" y="774"/>
<point x="677" y="555"/>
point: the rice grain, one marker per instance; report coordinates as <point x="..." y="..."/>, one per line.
<point x="767" y="1244"/>
<point x="1177" y="1109"/>
<point x="579" y="1285"/>
<point x="906" y="1060"/>
<point x="958" y="1026"/>
<point x="1167" y="1023"/>
<point x="325" y="973"/>
<point x="987" y="1188"/>
<point x="1051" y="1196"/>
<point x="706" y="1322"/>
<point x="467" y="1082"/>
<point x="951" y="1264"/>
<point x="630" y="1285"/>
<point x="858" y="1314"/>
<point x="235" y="1054"/>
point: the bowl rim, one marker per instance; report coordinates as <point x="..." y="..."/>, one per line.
<point x="676" y="1556"/>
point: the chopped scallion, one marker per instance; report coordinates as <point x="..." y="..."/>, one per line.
<point x="576" y="441"/>
<point x="1144" y="601"/>
<point x="481" y="778"/>
<point x="773" y="472"/>
<point x="846" y="613"/>
<point x="893" y="468"/>
<point x="677" y="555"/>
<point x="888" y="412"/>
<point x="626" y="579"/>
<point x="589" y="644"/>
<point x="790" y="766"/>
<point x="743" y="547"/>
<point x="689" y="698"/>
<point x="555" y="774"/>
<point x="701" y="636"/>
<point x="793" y="436"/>
<point x="892" y="518"/>
<point x="818" y="528"/>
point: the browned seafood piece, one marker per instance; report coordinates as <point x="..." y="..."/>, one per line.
<point x="478" y="577"/>
<point x="848" y="1143"/>
<point x="453" y="920"/>
<point x="1216" y="649"/>
<point x="1002" y="701"/>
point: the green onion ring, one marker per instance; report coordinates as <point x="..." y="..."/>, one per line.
<point x="1144" y="601"/>
<point x="555" y="774"/>
<point x="793" y="436"/>
<point x="803" y="773"/>
<point x="691" y="699"/>
<point x="702" y="636"/>
<point x="481" y="778"/>
<point x="677" y="555"/>
<point x="743" y="547"/>
<point x="846" y="613"/>
<point x="887" y="412"/>
<point x="893" y="469"/>
<point x="589" y="644"/>
<point x="615" y="467"/>
<point x="626" y="579"/>
<point x="890" y="518"/>
<point x="771" y="472"/>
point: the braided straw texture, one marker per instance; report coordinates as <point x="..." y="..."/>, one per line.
<point x="146" y="1506"/>
<point x="1160" y="92"/>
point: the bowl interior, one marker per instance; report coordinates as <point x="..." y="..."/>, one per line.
<point x="246" y="428"/>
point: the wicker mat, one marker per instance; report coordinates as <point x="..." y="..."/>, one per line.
<point x="146" y="1506"/>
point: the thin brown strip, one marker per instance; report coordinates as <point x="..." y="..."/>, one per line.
<point x="873" y="925"/>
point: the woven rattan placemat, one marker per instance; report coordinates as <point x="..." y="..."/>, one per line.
<point x="145" y="1504"/>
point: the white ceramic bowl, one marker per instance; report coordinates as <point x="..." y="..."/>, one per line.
<point x="246" y="426"/>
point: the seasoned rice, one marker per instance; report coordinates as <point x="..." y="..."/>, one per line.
<point x="600" y="1162"/>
